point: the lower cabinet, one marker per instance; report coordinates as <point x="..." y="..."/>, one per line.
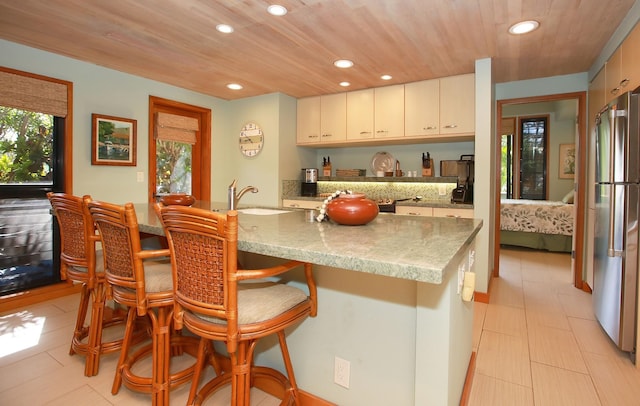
<point x="434" y="211"/>
<point x="414" y="211"/>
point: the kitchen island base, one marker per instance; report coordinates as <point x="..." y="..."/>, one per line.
<point x="408" y="343"/>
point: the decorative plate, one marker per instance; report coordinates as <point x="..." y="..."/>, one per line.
<point x="382" y="161"/>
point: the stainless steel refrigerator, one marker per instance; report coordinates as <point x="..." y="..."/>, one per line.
<point x="617" y="194"/>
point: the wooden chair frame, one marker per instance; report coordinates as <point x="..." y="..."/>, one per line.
<point x="78" y="242"/>
<point x="125" y="266"/>
<point x="204" y="247"/>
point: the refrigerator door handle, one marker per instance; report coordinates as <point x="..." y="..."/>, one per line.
<point x="611" y="249"/>
<point x="612" y="146"/>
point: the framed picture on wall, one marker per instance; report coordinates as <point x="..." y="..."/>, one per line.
<point x="567" y="161"/>
<point x="113" y="140"/>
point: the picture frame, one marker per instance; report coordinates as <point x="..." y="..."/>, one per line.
<point x="567" y="161"/>
<point x="113" y="140"/>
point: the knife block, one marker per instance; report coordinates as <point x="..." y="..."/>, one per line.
<point x="428" y="171"/>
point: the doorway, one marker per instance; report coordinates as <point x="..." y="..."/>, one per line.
<point x="579" y="180"/>
<point x="179" y="149"/>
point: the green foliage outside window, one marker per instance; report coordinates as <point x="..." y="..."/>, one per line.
<point x="26" y="146"/>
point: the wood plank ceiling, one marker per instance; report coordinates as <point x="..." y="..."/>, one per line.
<point x="175" y="41"/>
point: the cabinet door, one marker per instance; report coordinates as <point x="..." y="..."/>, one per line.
<point x="414" y="211"/>
<point x="360" y="114"/>
<point x="422" y="108"/>
<point x="457" y="104"/>
<point x="630" y="64"/>
<point x="449" y="212"/>
<point x="597" y="99"/>
<point x="308" y="120"/>
<point x="333" y="117"/>
<point x="612" y="75"/>
<point x="389" y="111"/>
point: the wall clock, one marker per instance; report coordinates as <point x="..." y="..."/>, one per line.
<point x="251" y="140"/>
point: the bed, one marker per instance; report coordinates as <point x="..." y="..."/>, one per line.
<point x="537" y="224"/>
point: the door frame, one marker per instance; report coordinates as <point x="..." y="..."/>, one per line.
<point x="580" y="179"/>
<point x="201" y="191"/>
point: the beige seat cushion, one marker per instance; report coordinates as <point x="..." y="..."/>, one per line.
<point x="262" y="301"/>
<point x="99" y="264"/>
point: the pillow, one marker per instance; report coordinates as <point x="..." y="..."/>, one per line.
<point x="568" y="198"/>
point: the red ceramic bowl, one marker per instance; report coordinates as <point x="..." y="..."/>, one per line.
<point x="352" y="210"/>
<point x="178" y="199"/>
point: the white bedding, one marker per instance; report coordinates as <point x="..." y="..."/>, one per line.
<point x="536" y="216"/>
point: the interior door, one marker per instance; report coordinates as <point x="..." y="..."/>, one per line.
<point x="179" y="149"/>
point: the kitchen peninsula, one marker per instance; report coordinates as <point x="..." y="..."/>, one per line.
<point x="388" y="302"/>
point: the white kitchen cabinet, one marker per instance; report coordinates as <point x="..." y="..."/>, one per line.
<point x="630" y="63"/>
<point x="389" y="111"/>
<point x="612" y="75"/>
<point x="333" y="117"/>
<point x="457" y="104"/>
<point x="452" y="212"/>
<point x="414" y="211"/>
<point x="422" y="108"/>
<point x="302" y="204"/>
<point x="308" y="120"/>
<point x="360" y="106"/>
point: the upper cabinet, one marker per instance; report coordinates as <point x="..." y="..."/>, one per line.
<point x="458" y="104"/>
<point x="621" y="70"/>
<point x="422" y="108"/>
<point x="322" y="119"/>
<point x="389" y="111"/>
<point x="308" y="120"/>
<point x="398" y="114"/>
<point x="360" y="114"/>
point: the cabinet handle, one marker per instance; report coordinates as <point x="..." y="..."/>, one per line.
<point x="382" y="131"/>
<point x="326" y="135"/>
<point x="294" y="205"/>
<point x="365" y="132"/>
<point x="615" y="90"/>
<point x="313" y="136"/>
<point x="413" y="213"/>
<point x="624" y="82"/>
<point x="431" y="127"/>
<point x="451" y="126"/>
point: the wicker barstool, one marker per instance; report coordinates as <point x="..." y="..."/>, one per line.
<point x="141" y="280"/>
<point x="80" y="262"/>
<point x="211" y="303"/>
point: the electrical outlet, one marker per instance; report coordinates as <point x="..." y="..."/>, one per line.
<point x="442" y="190"/>
<point x="140" y="177"/>
<point x="341" y="372"/>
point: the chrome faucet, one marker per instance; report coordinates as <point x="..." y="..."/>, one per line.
<point x="235" y="198"/>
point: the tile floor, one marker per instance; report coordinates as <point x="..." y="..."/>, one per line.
<point x="537" y="344"/>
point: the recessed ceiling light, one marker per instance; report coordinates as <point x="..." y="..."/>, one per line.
<point x="234" y="86"/>
<point x="224" y="28"/>
<point x="386" y="77"/>
<point x="345" y="84"/>
<point x="343" y="63"/>
<point x="523" y="27"/>
<point x="276" y="10"/>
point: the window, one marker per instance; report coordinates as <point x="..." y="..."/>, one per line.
<point x="524" y="160"/>
<point x="34" y="143"/>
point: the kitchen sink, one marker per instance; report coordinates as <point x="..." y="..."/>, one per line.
<point x="257" y="211"/>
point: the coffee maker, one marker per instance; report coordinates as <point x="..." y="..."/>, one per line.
<point x="463" y="193"/>
<point x="309" y="186"/>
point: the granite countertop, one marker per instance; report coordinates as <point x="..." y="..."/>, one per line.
<point x="409" y="203"/>
<point x="414" y="248"/>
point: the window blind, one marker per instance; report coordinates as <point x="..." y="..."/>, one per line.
<point x="33" y="94"/>
<point x="172" y="127"/>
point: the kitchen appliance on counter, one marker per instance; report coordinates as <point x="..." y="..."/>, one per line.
<point x="463" y="193"/>
<point x="617" y="196"/>
<point x="387" y="205"/>
<point x="309" y="186"/>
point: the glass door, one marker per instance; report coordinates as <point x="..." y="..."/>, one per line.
<point x="30" y="151"/>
